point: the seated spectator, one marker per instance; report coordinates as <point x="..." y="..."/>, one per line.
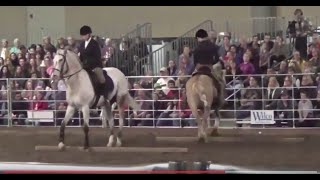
<point x="19" y="109"/>
<point x="309" y="87"/>
<point x="246" y="67"/>
<point x="297" y="58"/>
<point x="159" y="101"/>
<point x="24" y="68"/>
<point x="186" y="61"/>
<point x="183" y="111"/>
<point x="48" y="46"/>
<point x="72" y="45"/>
<point x="173" y="91"/>
<point x="232" y="72"/>
<point x="295" y="78"/>
<point x="147" y="82"/>
<point x="163" y="80"/>
<point x="295" y="66"/>
<point x="285" y="109"/>
<point x="61" y="43"/>
<point x="315" y="61"/>
<point x="14" y="59"/>
<point x="279" y="49"/>
<point x="270" y="73"/>
<point x="142" y="117"/>
<point x="305" y="110"/>
<point x="40" y="52"/>
<point x="224" y="48"/>
<point x="4" y="73"/>
<point x="40" y="103"/>
<point x="265" y="55"/>
<point x="254" y="43"/>
<point x="23" y="50"/>
<point x="317" y="106"/>
<point x="3" y="107"/>
<point x="16" y="44"/>
<point x="291" y="88"/>
<point x="136" y="88"/>
<point x="172" y="68"/>
<point x="230" y="57"/>
<point x="251" y="100"/>
<point x="273" y="93"/>
<point x="282" y="72"/>
<point x="182" y="79"/>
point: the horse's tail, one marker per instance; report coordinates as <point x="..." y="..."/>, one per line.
<point x="199" y="89"/>
<point x="132" y="103"/>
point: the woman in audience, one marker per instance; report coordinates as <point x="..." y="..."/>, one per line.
<point x="186" y="61"/>
<point x="14" y="59"/>
<point x="282" y="72"/>
<point x="172" y="68"/>
<point x="309" y="87"/>
<point x="305" y="110"/>
<point x="142" y="117"/>
<point x="233" y="80"/>
<point x="297" y="58"/>
<point x="224" y="48"/>
<point x="39" y="102"/>
<point x="292" y="89"/>
<point x="251" y="100"/>
<point x="40" y="51"/>
<point x="182" y="79"/>
<point x="4" y="73"/>
<point x="265" y="55"/>
<point x="315" y="61"/>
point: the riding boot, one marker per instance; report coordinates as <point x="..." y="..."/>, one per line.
<point x="105" y="91"/>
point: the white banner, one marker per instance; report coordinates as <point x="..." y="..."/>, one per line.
<point x="262" y="117"/>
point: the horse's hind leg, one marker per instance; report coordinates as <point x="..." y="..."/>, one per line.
<point x="216" y="123"/>
<point x="86" y="116"/>
<point x="204" y="123"/>
<point x="109" y="116"/>
<point x="68" y="116"/>
<point x="121" y="102"/>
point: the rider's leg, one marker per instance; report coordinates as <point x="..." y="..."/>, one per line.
<point x="99" y="73"/>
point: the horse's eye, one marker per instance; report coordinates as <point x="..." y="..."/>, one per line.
<point x="60" y="60"/>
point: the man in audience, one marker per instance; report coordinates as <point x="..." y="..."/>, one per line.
<point x="16" y="46"/>
<point x="19" y="109"/>
<point x="5" y="53"/>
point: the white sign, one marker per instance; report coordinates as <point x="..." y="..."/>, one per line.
<point x="262" y="117"/>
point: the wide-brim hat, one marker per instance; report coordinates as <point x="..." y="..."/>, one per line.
<point x="201" y="33"/>
<point x="84" y="30"/>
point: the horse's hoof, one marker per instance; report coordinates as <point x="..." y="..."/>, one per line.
<point x="214" y="133"/>
<point x="201" y="140"/>
<point x="86" y="149"/>
<point x="119" y="143"/>
<point x="61" y="146"/>
<point x="110" y="144"/>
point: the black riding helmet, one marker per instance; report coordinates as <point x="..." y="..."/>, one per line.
<point x="201" y="33"/>
<point x="85" y="30"/>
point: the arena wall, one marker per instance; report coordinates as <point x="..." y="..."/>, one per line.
<point x="166" y="21"/>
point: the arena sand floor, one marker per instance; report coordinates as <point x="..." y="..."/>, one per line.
<point x="17" y="144"/>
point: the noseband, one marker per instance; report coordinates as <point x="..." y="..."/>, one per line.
<point x="62" y="73"/>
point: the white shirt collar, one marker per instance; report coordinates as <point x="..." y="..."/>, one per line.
<point x="87" y="42"/>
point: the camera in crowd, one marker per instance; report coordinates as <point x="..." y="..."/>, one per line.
<point x="292" y="28"/>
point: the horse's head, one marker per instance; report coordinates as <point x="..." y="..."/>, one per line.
<point x="65" y="64"/>
<point x="59" y="64"/>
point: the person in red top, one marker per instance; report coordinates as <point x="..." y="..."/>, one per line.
<point x="40" y="103"/>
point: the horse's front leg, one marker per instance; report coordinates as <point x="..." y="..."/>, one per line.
<point x="86" y="116"/>
<point x="68" y="116"/>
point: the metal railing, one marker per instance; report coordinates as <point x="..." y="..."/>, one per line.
<point x="157" y="111"/>
<point x="171" y="51"/>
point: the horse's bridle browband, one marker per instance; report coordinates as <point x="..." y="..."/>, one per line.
<point x="62" y="66"/>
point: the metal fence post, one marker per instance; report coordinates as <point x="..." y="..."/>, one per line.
<point x="9" y="101"/>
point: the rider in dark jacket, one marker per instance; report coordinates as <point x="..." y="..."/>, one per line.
<point x="90" y="56"/>
<point x="206" y="54"/>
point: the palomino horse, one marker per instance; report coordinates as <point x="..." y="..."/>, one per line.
<point x="81" y="95"/>
<point x="201" y="92"/>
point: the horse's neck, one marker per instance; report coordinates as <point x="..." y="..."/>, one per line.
<point x="75" y="82"/>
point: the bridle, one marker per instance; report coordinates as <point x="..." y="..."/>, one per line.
<point x="62" y="72"/>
